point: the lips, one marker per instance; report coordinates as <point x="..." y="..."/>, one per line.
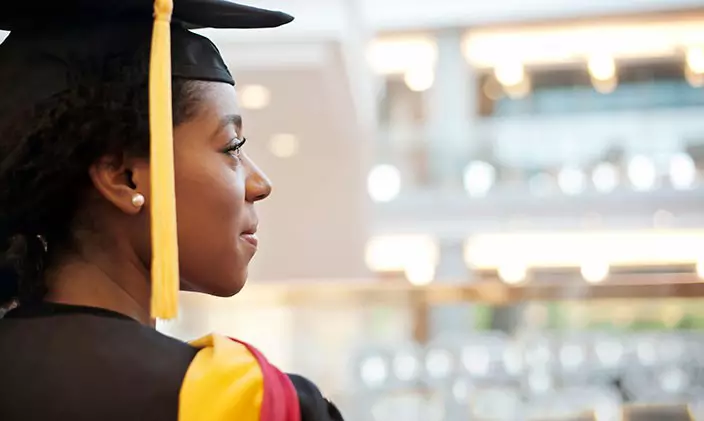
<point x="250" y="236"/>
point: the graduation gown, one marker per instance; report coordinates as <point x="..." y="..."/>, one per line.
<point x="60" y="362"/>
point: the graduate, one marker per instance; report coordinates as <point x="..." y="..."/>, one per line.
<point x="117" y="122"/>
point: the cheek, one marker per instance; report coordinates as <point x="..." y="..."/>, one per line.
<point x="210" y="195"/>
<point x="210" y="203"/>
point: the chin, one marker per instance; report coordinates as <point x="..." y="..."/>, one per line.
<point x="222" y="288"/>
<point x="228" y="292"/>
<point x="230" y="287"/>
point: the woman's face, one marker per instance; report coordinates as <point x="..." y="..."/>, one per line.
<point x="216" y="188"/>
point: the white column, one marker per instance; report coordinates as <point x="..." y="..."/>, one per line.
<point x="457" y="318"/>
<point x="450" y="105"/>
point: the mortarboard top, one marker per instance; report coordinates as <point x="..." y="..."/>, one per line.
<point x="52" y="42"/>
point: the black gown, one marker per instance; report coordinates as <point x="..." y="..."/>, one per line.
<point x="60" y="362"/>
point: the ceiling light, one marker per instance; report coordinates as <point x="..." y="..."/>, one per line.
<point x="595" y="272"/>
<point x="384" y="183"/>
<point x="284" y="145"/>
<point x="605" y="177"/>
<point x="397" y="56"/>
<point x="695" y="60"/>
<point x="642" y="173"/>
<point x="254" y="97"/>
<point x="420" y="79"/>
<point x="683" y="171"/>
<point x="513" y="273"/>
<point x="510" y="74"/>
<point x="478" y="178"/>
<point x="602" y="67"/>
<point x="571" y="181"/>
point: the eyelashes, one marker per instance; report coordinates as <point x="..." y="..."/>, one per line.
<point x="235" y="147"/>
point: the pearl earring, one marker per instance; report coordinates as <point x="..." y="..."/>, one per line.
<point x="138" y="200"/>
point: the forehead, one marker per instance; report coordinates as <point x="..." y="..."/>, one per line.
<point x="218" y="99"/>
<point x="215" y="115"/>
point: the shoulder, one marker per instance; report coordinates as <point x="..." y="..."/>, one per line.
<point x="229" y="379"/>
<point x="313" y="405"/>
<point x="88" y="350"/>
<point x="86" y="337"/>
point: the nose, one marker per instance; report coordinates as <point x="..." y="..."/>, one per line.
<point x="258" y="185"/>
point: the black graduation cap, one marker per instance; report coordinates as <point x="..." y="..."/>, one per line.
<point x="52" y="42"/>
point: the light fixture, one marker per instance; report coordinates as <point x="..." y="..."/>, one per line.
<point x="513" y="273"/>
<point x="695" y="60"/>
<point x="570" y="43"/>
<point x="439" y="363"/>
<point x="571" y="181"/>
<point x="478" y="178"/>
<point x="420" y="271"/>
<point x="512" y="360"/>
<point x="674" y="381"/>
<point x="683" y="171"/>
<point x="284" y="145"/>
<point x="609" y="352"/>
<point x="374" y="371"/>
<point x="399" y="55"/>
<point x="510" y="73"/>
<point x="602" y="67"/>
<point x="595" y="271"/>
<point x="572" y="356"/>
<point x="384" y="183"/>
<point x="476" y="360"/>
<point x="646" y="248"/>
<point x="642" y="173"/>
<point x="419" y="79"/>
<point x="254" y="97"/>
<point x="605" y="177"/>
<point x="399" y="253"/>
<point x="406" y="366"/>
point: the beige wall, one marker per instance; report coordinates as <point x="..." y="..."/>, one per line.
<point x="316" y="221"/>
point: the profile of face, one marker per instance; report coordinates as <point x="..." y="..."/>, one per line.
<point x="217" y="186"/>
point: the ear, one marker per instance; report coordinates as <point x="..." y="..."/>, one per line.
<point x="120" y="180"/>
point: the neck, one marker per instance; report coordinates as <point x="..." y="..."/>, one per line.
<point x="123" y="288"/>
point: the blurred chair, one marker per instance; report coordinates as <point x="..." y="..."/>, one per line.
<point x="589" y="416"/>
<point x="656" y="413"/>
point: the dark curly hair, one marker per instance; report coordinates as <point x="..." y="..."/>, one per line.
<point x="45" y="155"/>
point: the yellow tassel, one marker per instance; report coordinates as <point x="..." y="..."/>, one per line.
<point x="165" y="273"/>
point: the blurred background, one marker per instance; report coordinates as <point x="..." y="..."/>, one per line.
<point x="481" y="210"/>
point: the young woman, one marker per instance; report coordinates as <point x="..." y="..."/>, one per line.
<point x="93" y="149"/>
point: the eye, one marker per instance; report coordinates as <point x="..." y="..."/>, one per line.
<point x="235" y="146"/>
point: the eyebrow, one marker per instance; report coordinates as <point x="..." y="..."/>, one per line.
<point x="234" y="119"/>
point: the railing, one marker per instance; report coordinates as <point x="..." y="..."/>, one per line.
<point x="522" y="147"/>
